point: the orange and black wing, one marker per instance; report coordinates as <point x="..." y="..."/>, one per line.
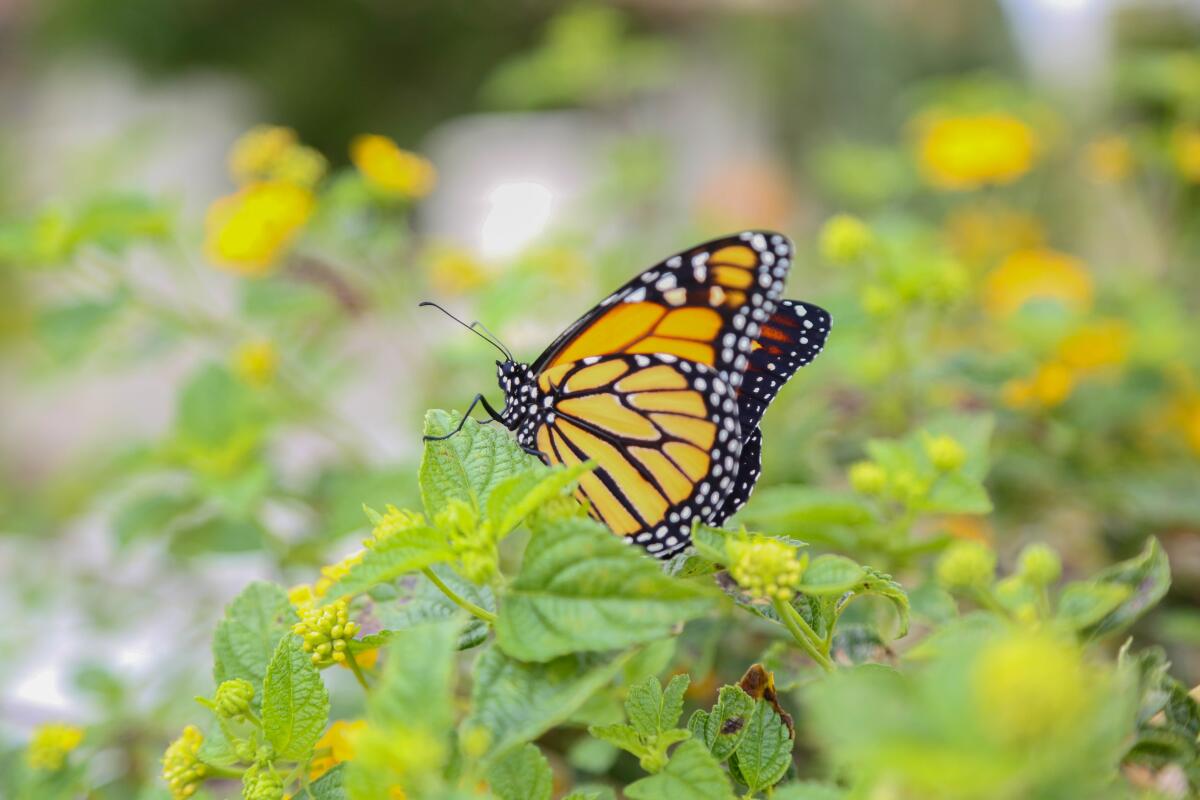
<point x="793" y="336"/>
<point x="706" y="305"/>
<point x="662" y="431"/>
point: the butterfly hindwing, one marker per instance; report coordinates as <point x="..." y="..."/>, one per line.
<point x="790" y="339"/>
<point x="705" y="305"/>
<point x="664" y="435"/>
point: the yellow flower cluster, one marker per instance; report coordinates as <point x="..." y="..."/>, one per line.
<point x="844" y="239"/>
<point x="765" y="568"/>
<point x="182" y="769"/>
<point x="1030" y="686"/>
<point x="390" y="170"/>
<point x="969" y="151"/>
<point x="274" y="153"/>
<point x="255" y="362"/>
<point x="335" y="746"/>
<point x="326" y="633"/>
<point x="1035" y="274"/>
<point x="455" y="270"/>
<point x="1185" y="152"/>
<point x="391" y="522"/>
<point x="1090" y="349"/>
<point x="246" y="232"/>
<point x="50" y="744"/>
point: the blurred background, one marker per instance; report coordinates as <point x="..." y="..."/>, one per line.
<point x="217" y="218"/>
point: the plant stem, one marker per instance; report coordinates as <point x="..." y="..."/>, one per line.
<point x="224" y="772"/>
<point x="357" y="670"/>
<point x="461" y="602"/>
<point x="803" y="633"/>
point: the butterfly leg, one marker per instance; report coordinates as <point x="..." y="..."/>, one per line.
<point x="479" y="400"/>
<point x="538" y="454"/>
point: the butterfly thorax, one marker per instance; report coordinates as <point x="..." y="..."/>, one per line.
<point x="519" y="385"/>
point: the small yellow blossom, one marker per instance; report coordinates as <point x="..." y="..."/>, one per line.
<point x="980" y="235"/>
<point x="50" y="744"/>
<point x="302" y="597"/>
<point x="966" y="565"/>
<point x="1108" y="159"/>
<point x="1036" y="274"/>
<point x="335" y="746"/>
<point x="391" y="170"/>
<point x="333" y="573"/>
<point x="1185" y="152"/>
<point x="391" y="522"/>
<point x="1029" y="686"/>
<point x="455" y="270"/>
<point x="1096" y="346"/>
<point x="966" y="152"/>
<point x="182" y="769"/>
<point x="255" y="362"/>
<point x="1048" y="387"/>
<point x="844" y="239"/>
<point x="247" y="231"/>
<point x="271" y="152"/>
<point x="765" y="568"/>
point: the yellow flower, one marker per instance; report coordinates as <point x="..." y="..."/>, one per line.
<point x="455" y="270"/>
<point x="1035" y="274"/>
<point x="966" y="152"/>
<point x="255" y="362"/>
<point x="1097" y="346"/>
<point x="1108" y="159"/>
<point x="391" y="522"/>
<point x="1185" y="151"/>
<point x="1029" y="686"/>
<point x="247" y="231"/>
<point x="978" y="234"/>
<point x="844" y="239"/>
<point x="1184" y="416"/>
<point x="1048" y="387"/>
<point x="271" y="152"/>
<point x="50" y="744"/>
<point x="765" y="568"/>
<point x="182" y="768"/>
<point x="333" y="573"/>
<point x="391" y="170"/>
<point x="339" y="742"/>
<point x="302" y="597"/>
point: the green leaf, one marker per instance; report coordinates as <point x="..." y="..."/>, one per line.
<point x="582" y="589"/>
<point x="403" y="552"/>
<point x="709" y="543"/>
<point x="652" y="709"/>
<point x="1084" y="603"/>
<point x="70" y="331"/>
<point x="620" y="735"/>
<point x="425" y="603"/>
<point x="246" y="639"/>
<point x="523" y="775"/>
<point x="818" y="515"/>
<point x="216" y="534"/>
<point x="295" y="704"/>
<point x="214" y="406"/>
<point x="469" y="465"/>
<point x="830" y="574"/>
<point x="417" y="686"/>
<point x="1147" y="574"/>
<point x="516" y="702"/>
<point x="520" y="495"/>
<point x="692" y="772"/>
<point x="150" y="515"/>
<point x="330" y="786"/>
<point x="723" y="728"/>
<point x="882" y="585"/>
<point x="765" y="752"/>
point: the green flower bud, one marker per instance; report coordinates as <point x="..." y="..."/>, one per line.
<point x="262" y="785"/>
<point x="1039" y="564"/>
<point x="945" y="453"/>
<point x="867" y="477"/>
<point x="966" y="565"/>
<point x="908" y="487"/>
<point x="844" y="239"/>
<point x="182" y="769"/>
<point x="233" y="699"/>
<point x="326" y="633"/>
<point x="765" y="568"/>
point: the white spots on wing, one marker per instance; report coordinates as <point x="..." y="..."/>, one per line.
<point x="637" y="295"/>
<point x="676" y="296"/>
<point x="666" y="282"/>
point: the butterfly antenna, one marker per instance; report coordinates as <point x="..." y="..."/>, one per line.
<point x="489" y="338"/>
<point x="495" y="339"/>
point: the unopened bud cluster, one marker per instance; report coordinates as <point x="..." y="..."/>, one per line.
<point x="766" y="568"/>
<point x="233" y="699"/>
<point x="966" y="565"/>
<point x="262" y="786"/>
<point x="326" y="633"/>
<point x="182" y="769"/>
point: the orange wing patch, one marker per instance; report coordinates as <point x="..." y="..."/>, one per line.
<point x="647" y="328"/>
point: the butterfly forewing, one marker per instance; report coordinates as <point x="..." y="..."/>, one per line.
<point x="705" y="305"/>
<point x="662" y="431"/>
<point x="791" y="338"/>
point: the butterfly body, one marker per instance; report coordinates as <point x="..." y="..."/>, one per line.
<point x="663" y="385"/>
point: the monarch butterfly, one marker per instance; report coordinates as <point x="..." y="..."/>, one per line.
<point x="663" y="385"/>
